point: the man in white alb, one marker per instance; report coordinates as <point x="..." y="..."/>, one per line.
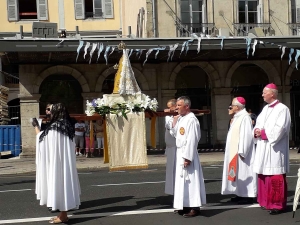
<point x="189" y="193"/>
<point x="238" y="176"/>
<point x="271" y="133"/>
<point x="170" y="149"/>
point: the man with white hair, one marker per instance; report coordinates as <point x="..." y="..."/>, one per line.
<point x="189" y="192"/>
<point x="271" y="133"/>
<point x="238" y="175"/>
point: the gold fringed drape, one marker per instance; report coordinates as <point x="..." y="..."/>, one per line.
<point x="105" y="150"/>
<point x="91" y="134"/>
<point x="153" y="128"/>
<point x="126" y="142"/>
<point x="118" y="77"/>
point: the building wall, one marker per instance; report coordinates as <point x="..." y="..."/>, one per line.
<point x="69" y="17"/>
<point x="223" y="13"/>
<point x="155" y="80"/>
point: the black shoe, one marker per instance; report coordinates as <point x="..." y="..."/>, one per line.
<point x="263" y="208"/>
<point x="275" y="211"/>
<point x="182" y="211"/>
<point x="245" y="201"/>
<point x="192" y="213"/>
<point x="236" y="199"/>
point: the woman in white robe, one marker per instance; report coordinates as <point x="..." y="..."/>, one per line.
<point x="57" y="183"/>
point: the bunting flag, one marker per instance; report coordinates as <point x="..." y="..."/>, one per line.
<point x="100" y="48"/>
<point x="282" y="51"/>
<point x="248" y="42"/>
<point x="253" y="47"/>
<point x="290" y="55"/>
<point x="296" y="58"/>
<point x="184" y="47"/>
<point x="87" y="45"/>
<point x="81" y="43"/>
<point x="105" y="53"/>
<point x="92" y="51"/>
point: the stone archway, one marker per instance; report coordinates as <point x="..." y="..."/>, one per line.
<point x="211" y="72"/>
<point x="268" y="67"/>
<point x="289" y="73"/>
<point x="139" y="76"/>
<point x="61" y="70"/>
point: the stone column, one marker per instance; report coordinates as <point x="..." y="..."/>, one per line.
<point x="29" y="108"/>
<point x="220" y="101"/>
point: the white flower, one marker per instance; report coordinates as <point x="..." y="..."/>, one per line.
<point x="130" y="105"/>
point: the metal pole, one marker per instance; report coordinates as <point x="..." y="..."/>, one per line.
<point x="77" y="29"/>
<point x="129" y="31"/>
<point x="21" y="31"/>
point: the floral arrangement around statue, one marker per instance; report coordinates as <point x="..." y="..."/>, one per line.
<point x="121" y="108"/>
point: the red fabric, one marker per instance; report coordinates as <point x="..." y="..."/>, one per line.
<point x="241" y="100"/>
<point x="254" y="132"/>
<point x="273" y="105"/>
<point x="89" y="146"/>
<point x="232" y="168"/>
<point x="263" y="135"/>
<point x="272" y="191"/>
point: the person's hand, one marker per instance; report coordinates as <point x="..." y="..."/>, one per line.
<point x="166" y="110"/>
<point x="34" y="122"/>
<point x="186" y="163"/>
<point x="257" y="132"/>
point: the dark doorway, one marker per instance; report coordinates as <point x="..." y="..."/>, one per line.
<point x="61" y="88"/>
<point x="193" y="82"/>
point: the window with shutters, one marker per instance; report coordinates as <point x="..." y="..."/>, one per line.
<point x="27" y="10"/>
<point x="86" y="9"/>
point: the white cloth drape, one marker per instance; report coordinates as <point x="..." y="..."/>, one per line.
<point x="57" y="183"/>
<point x="245" y="184"/>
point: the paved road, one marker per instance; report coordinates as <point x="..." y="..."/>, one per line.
<point x="134" y="197"/>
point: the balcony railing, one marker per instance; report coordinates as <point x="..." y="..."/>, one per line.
<point x="242" y="29"/>
<point x="10" y="80"/>
<point x="295" y="28"/>
<point x="186" y="29"/>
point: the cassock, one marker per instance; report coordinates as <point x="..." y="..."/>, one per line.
<point x="240" y="135"/>
<point x="171" y="156"/>
<point x="57" y="183"/>
<point x="272" y="155"/>
<point x="189" y="183"/>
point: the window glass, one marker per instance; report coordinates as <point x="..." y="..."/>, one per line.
<point x="197" y="5"/>
<point x="242" y="17"/>
<point x="185" y="6"/>
<point x="185" y="17"/>
<point x="197" y="17"/>
<point x="242" y="6"/>
<point x="252" y="17"/>
<point x="252" y="5"/>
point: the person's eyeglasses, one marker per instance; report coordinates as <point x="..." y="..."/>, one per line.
<point x="230" y="107"/>
<point x="48" y="109"/>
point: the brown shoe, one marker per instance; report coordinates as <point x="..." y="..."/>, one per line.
<point x="192" y="213"/>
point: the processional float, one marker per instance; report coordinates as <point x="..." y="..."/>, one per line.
<point x="124" y="112"/>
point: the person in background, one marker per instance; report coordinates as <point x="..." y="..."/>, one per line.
<point x="170" y="149"/>
<point x="253" y="117"/>
<point x="238" y="176"/>
<point x="89" y="146"/>
<point x="45" y="122"/>
<point x="79" y="137"/>
<point x="99" y="130"/>
<point x="271" y="133"/>
<point x="57" y="183"/>
<point x="231" y="114"/>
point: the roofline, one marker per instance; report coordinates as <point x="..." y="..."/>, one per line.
<point x="71" y="44"/>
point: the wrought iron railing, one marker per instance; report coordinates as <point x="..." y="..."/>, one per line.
<point x="10" y="80"/>
<point x="295" y="28"/>
<point x="198" y="28"/>
<point x="242" y="29"/>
